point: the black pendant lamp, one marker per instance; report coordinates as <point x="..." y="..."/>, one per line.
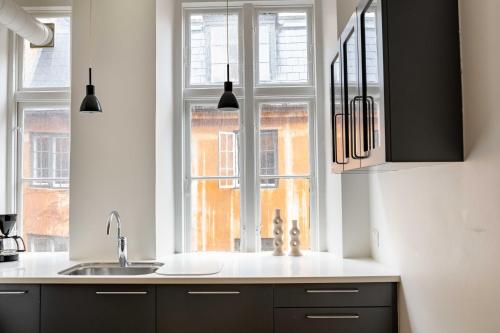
<point x="228" y="101"/>
<point x="90" y="103"/>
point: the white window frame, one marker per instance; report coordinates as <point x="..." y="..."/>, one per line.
<point x="185" y="226"/>
<point x="23" y="93"/>
<point x="20" y="98"/>
<point x="19" y="152"/>
<point x="250" y="96"/>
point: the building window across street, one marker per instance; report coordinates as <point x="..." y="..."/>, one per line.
<point x="50" y="159"/>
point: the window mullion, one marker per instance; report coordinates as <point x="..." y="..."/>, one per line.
<point x="186" y="226"/>
<point x="250" y="234"/>
<point x="313" y="185"/>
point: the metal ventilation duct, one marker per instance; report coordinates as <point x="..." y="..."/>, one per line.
<point x="24" y="24"/>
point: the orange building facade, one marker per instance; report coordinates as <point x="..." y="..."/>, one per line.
<point x="215" y="151"/>
<point x="45" y="204"/>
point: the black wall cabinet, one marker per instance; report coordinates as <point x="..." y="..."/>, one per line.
<point x="396" y="85"/>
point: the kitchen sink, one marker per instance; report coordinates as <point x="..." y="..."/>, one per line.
<point x="112" y="269"/>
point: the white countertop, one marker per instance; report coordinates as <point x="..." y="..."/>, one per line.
<point x="237" y="268"/>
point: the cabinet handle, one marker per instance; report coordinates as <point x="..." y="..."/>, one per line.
<point x="121" y="292"/>
<point x="353" y="316"/>
<point x="371" y="125"/>
<point x="20" y="292"/>
<point x="352" y="112"/>
<point x="354" y="143"/>
<point x="332" y="291"/>
<point x="213" y="292"/>
<point x="335" y="139"/>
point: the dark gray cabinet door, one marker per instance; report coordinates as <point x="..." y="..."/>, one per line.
<point x="215" y="309"/>
<point x="96" y="309"/>
<point x="334" y="320"/>
<point x="19" y="308"/>
<point x="351" y="92"/>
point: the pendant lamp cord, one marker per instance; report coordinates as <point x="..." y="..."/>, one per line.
<point x="227" y="37"/>
<point x="91" y="41"/>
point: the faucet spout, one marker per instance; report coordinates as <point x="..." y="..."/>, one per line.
<point x="122" y="241"/>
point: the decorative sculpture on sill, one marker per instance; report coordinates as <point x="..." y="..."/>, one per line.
<point x="278" y="234"/>
<point x="295" y="240"/>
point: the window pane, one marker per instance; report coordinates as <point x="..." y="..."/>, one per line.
<point x="46" y="148"/>
<point x="49" y="67"/>
<point x="215" y="216"/>
<point x="291" y="196"/>
<point x="214" y="147"/>
<point x="269" y="157"/>
<point x="283" y="47"/>
<point x="45" y="218"/>
<point x="370" y="38"/>
<point x="208" y="48"/>
<point x="289" y="153"/>
<point x="61" y="157"/>
<point x="370" y="19"/>
<point x="284" y="151"/>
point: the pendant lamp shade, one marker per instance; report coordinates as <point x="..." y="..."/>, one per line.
<point x="90" y="103"/>
<point x="228" y="101"/>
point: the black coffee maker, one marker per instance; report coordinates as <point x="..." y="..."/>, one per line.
<point x="10" y="246"/>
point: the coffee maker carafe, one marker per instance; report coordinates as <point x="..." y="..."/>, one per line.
<point x="10" y="246"/>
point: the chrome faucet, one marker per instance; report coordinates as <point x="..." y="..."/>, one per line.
<point x="122" y="241"/>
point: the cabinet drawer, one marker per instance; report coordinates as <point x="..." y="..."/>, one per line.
<point x="19" y="308"/>
<point x="215" y="309"/>
<point x="334" y="295"/>
<point x="334" y="320"/>
<point x="98" y="308"/>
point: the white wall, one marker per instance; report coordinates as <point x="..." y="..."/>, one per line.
<point x="168" y="147"/>
<point x="3" y="119"/>
<point x="113" y="153"/>
<point x="345" y="9"/>
<point x="355" y="216"/>
<point x="440" y="225"/>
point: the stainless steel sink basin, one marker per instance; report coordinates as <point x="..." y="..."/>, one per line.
<point x="112" y="269"/>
